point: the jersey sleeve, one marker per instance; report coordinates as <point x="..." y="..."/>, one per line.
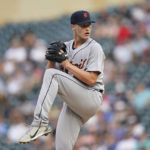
<point x="96" y="59"/>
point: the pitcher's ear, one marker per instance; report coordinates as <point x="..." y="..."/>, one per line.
<point x="73" y="26"/>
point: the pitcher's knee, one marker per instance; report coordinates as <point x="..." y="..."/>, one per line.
<point x="51" y="71"/>
<point x="48" y="75"/>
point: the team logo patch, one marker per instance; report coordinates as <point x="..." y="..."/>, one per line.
<point x="85" y="15"/>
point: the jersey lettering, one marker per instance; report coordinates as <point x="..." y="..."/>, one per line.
<point x="80" y="65"/>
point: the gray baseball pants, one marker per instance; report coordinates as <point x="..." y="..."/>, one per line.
<point x="80" y="103"/>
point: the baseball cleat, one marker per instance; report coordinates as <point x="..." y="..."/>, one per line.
<point x="33" y="133"/>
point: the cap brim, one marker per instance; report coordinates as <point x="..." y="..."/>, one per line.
<point x="87" y="21"/>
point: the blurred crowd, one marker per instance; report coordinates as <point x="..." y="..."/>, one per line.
<point x="119" y="123"/>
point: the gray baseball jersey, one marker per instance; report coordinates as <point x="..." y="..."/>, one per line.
<point x="89" y="57"/>
<point x="75" y="94"/>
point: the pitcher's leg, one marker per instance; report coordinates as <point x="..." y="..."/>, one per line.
<point x="72" y="91"/>
<point x="82" y="100"/>
<point x="46" y="98"/>
<point x="68" y="128"/>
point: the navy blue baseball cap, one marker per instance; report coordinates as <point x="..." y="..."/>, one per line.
<point x="81" y="17"/>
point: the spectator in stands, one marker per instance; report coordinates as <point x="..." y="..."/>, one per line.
<point x="15" y="82"/>
<point x="2" y="82"/>
<point x="35" y="47"/>
<point x="140" y="44"/>
<point x="124" y="33"/>
<point x="17" y="125"/>
<point x="16" y="52"/>
<point x="3" y="126"/>
<point x="49" y="143"/>
<point x="142" y="96"/>
<point x="138" y="13"/>
<point x="123" y="53"/>
<point x="127" y="143"/>
<point x="110" y="141"/>
<point x="107" y="29"/>
<point x="144" y="142"/>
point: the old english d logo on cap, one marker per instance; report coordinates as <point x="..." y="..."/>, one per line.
<point x="81" y="17"/>
<point x="85" y="15"/>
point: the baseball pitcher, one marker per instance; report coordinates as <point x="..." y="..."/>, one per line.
<point x="80" y="84"/>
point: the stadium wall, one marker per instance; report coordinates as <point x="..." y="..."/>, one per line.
<point x="33" y="10"/>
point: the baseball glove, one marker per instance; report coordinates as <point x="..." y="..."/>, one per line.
<point x="52" y="52"/>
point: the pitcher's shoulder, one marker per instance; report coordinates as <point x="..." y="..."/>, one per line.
<point x="67" y="43"/>
<point x="95" y="44"/>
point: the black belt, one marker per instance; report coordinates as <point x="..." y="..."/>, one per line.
<point x="101" y="91"/>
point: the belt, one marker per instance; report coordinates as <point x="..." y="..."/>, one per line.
<point x="101" y="91"/>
